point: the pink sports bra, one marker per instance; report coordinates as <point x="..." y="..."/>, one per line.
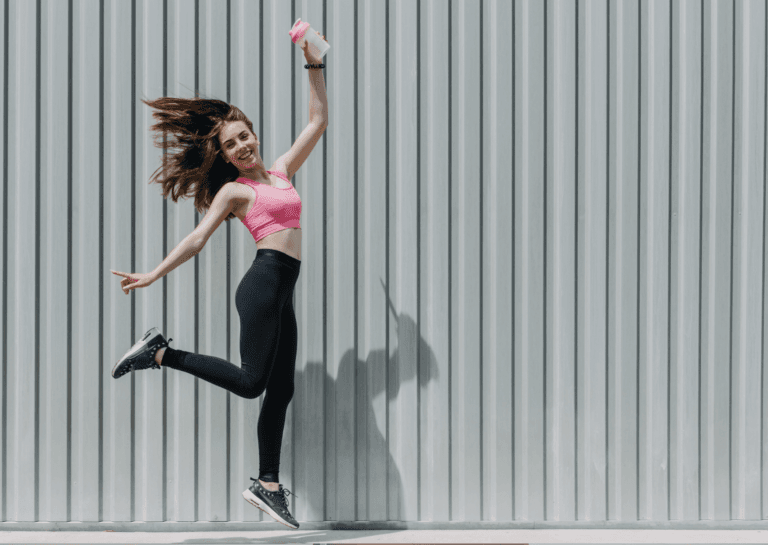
<point x="274" y="209"/>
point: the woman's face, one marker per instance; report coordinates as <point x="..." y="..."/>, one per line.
<point x="239" y="146"/>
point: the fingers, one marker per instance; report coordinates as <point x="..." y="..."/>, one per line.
<point x="126" y="279"/>
<point x="126" y="275"/>
<point x="126" y="282"/>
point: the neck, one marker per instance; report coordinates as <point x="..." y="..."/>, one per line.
<point x="256" y="172"/>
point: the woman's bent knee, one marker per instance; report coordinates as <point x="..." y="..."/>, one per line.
<point x="254" y="387"/>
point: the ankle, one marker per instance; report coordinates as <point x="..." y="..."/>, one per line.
<point x="272" y="487"/>
<point x="159" y="356"/>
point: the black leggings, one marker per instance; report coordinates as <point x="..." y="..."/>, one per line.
<point x="268" y="336"/>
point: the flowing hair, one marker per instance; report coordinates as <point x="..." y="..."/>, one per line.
<point x="196" y="169"/>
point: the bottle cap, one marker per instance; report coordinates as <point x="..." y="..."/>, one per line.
<point x="298" y="30"/>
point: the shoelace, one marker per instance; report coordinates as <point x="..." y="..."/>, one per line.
<point x="282" y="495"/>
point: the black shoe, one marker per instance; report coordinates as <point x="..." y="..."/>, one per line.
<point x="274" y="504"/>
<point x="142" y="354"/>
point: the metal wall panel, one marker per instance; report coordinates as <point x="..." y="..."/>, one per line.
<point x="532" y="288"/>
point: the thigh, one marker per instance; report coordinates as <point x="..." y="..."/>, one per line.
<point x="284" y="367"/>
<point x="258" y="303"/>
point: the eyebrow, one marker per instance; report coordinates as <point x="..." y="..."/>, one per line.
<point x="231" y="138"/>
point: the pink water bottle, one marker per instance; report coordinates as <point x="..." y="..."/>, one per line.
<point x="303" y="31"/>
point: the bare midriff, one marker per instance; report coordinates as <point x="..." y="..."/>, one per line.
<point x="287" y="240"/>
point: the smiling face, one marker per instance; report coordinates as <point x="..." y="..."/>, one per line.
<point x="240" y="147"/>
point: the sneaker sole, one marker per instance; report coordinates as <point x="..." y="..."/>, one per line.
<point x="130" y="358"/>
<point x="256" y="502"/>
<point x="126" y="364"/>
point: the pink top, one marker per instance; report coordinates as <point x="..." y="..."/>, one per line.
<point x="274" y="209"/>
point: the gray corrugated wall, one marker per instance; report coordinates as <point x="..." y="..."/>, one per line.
<point x="533" y="261"/>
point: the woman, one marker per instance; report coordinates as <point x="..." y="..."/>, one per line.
<point x="220" y="165"/>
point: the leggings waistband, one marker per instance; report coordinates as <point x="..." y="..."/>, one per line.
<point x="282" y="257"/>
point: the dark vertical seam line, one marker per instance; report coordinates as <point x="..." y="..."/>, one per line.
<point x="6" y="87"/>
<point x="730" y="302"/>
<point x="367" y="240"/>
<point x="325" y="306"/>
<point x="701" y="232"/>
<point x="450" y="259"/>
<point x="228" y="275"/>
<point x="101" y="264"/>
<point x="669" y="261"/>
<point x="544" y="307"/>
<point x="359" y="389"/>
<point x="386" y="243"/>
<point x="639" y="241"/>
<point x="197" y="288"/>
<point x="762" y="314"/>
<point x="514" y="264"/>
<point x="418" y="261"/>
<point x="576" y="285"/>
<point x="165" y="278"/>
<point x="133" y="252"/>
<point x="38" y="92"/>
<point x="70" y="47"/>
<point x="607" y="246"/>
<point x="480" y="272"/>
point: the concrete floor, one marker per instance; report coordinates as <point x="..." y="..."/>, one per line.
<point x="272" y="535"/>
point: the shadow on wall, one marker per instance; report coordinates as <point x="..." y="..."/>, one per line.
<point x="376" y="492"/>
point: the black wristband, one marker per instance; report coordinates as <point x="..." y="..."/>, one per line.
<point x="308" y="66"/>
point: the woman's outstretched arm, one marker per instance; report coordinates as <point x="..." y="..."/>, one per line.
<point x="318" y="102"/>
<point x="186" y="249"/>
<point x="223" y="204"/>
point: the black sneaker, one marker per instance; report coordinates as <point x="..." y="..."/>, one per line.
<point x="142" y="354"/>
<point x="274" y="504"/>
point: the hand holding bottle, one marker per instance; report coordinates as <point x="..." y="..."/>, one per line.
<point x="311" y="42"/>
<point x="309" y="53"/>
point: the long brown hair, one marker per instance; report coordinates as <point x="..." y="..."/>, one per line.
<point x="196" y="169"/>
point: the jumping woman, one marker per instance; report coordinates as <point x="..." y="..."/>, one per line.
<point x="220" y="165"/>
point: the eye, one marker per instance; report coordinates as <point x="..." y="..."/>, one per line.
<point x="244" y="136"/>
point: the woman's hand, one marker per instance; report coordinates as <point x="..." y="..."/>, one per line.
<point x="311" y="58"/>
<point x="134" y="280"/>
